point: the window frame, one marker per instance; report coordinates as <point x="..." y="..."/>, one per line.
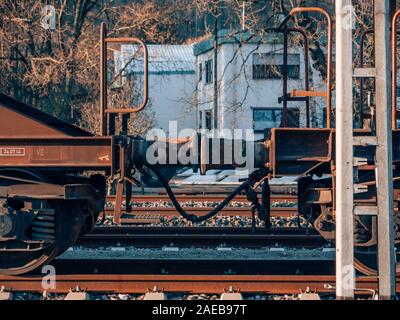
<point x="268" y="74"/>
<point x="290" y="109"/>
<point x="200" y="78"/>
<point x="208" y="119"/>
<point x="209" y="70"/>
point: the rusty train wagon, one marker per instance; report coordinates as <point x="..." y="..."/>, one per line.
<point x="44" y="204"/>
<point x="49" y="198"/>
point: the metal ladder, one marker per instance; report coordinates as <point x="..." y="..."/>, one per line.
<point x="382" y="212"/>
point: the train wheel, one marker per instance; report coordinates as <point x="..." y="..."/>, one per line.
<point x="48" y="234"/>
<point x="18" y="258"/>
<point x="17" y="263"/>
<point x="366" y="261"/>
<point x="22" y="257"/>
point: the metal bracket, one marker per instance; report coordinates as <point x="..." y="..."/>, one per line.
<point x="364" y="73"/>
<point x="359" y="162"/>
<point x="365" y="210"/>
<point x="360" y="188"/>
<point x="365" y="141"/>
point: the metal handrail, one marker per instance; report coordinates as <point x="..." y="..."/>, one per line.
<point x="307" y="71"/>
<point x="329" y="67"/>
<point x="394" y="69"/>
<point x="104" y="41"/>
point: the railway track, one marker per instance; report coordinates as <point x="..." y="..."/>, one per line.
<point x="201" y="236"/>
<point x="202" y="198"/>
<point x="186" y="265"/>
<point x="194" y="204"/>
<point x="189" y="284"/>
<point x="148" y="214"/>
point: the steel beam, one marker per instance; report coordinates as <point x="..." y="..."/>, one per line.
<point x="62" y="153"/>
<point x="384" y="154"/>
<point x="344" y="153"/>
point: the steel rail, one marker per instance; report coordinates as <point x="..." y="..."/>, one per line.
<point x="195" y="284"/>
<point x="201" y="198"/>
<point x="158" y="213"/>
<point x="157" y="237"/>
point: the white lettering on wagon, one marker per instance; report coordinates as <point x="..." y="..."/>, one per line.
<point x="12" y="152"/>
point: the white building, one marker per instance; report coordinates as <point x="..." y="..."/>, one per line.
<point x="250" y="83"/>
<point x="172" y="81"/>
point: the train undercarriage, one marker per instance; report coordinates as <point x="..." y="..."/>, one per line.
<point x="53" y="176"/>
<point x="48" y="201"/>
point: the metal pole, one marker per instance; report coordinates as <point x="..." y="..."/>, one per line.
<point x="103" y="79"/>
<point x="284" y="122"/>
<point x="215" y="115"/>
<point x="244" y="16"/>
<point x="344" y="154"/>
<point x="306" y="70"/>
<point x="384" y="155"/>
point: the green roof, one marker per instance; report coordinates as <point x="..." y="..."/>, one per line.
<point x="228" y="36"/>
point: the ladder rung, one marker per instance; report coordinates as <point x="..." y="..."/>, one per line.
<point x="359" y="162"/>
<point x="360" y="188"/>
<point x="365" y="73"/>
<point x="365" y="210"/>
<point x="365" y="141"/>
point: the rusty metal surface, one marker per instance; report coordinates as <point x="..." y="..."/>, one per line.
<point x="180" y="283"/>
<point x="20" y="120"/>
<point x="153" y="212"/>
<point x="63" y="152"/>
<point x="305" y="93"/>
<point x="50" y="191"/>
<point x="203" y="198"/>
<point x="295" y="151"/>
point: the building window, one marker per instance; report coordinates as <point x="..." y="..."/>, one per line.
<point x="200" y="120"/>
<point x="270" y="66"/>
<point x="209" y="71"/>
<point x="268" y="118"/>
<point x="208" y="120"/>
<point x="200" y="72"/>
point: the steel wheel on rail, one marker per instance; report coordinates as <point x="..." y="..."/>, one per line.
<point x="366" y="250"/>
<point x="39" y="233"/>
<point x="366" y="261"/>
